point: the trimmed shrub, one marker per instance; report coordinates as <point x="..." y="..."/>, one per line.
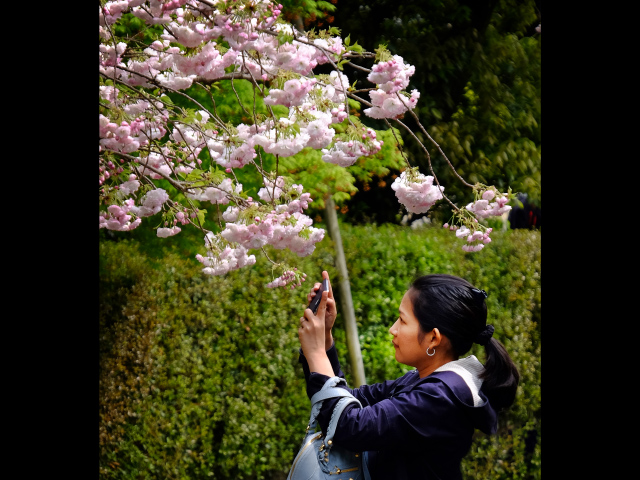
<point x="195" y="370"/>
<point x="199" y="375"/>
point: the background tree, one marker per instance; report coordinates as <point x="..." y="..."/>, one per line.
<point x="478" y="65"/>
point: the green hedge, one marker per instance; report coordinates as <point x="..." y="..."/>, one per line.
<point x="199" y="376"/>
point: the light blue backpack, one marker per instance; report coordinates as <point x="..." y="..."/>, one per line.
<point x="318" y="458"/>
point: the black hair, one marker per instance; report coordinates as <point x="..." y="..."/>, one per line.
<point x="458" y="310"/>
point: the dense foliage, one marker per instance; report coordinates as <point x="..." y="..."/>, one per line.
<point x="478" y="68"/>
<point x="199" y="375"/>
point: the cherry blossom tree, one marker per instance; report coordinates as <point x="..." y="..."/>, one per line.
<point x="166" y="149"/>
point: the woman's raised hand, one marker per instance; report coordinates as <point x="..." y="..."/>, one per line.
<point x="312" y="335"/>
<point x="330" y="312"/>
<point x="311" y="331"/>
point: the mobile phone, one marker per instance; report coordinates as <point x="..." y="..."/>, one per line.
<point x="315" y="301"/>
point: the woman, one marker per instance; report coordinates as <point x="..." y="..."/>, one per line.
<point x="420" y="425"/>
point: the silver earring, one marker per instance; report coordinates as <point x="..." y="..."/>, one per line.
<point x="431" y="354"/>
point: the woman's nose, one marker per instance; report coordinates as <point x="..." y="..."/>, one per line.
<point x="392" y="329"/>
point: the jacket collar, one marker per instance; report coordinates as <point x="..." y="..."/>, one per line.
<point x="469" y="368"/>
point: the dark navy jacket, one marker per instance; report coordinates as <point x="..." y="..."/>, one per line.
<point x="411" y="428"/>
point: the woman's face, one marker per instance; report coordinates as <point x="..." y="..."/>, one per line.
<point x="405" y="331"/>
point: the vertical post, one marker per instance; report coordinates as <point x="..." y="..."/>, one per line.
<point x="346" y="302"/>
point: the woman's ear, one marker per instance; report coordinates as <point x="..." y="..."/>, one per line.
<point x="431" y="339"/>
<point x="435" y="336"/>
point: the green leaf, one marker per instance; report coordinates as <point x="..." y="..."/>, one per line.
<point x="356" y="48"/>
<point x="354" y="104"/>
<point x="284" y="38"/>
<point x="341" y="197"/>
<point x="195" y="174"/>
<point x="201" y="215"/>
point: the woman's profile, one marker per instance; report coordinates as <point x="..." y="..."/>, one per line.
<point x="420" y="425"/>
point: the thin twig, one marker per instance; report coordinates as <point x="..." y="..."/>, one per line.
<point x="393" y="132"/>
<point x="435" y="177"/>
<point x="358" y="67"/>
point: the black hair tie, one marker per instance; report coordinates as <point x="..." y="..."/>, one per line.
<point x="481" y="292"/>
<point x="485" y="335"/>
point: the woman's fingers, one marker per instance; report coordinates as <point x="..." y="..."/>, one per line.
<point x="316" y="287"/>
<point x="308" y="314"/>
<point x="325" y="274"/>
<point x="322" y="308"/>
<point x="313" y="291"/>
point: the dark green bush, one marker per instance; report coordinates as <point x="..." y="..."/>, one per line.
<point x="199" y="375"/>
<point x="194" y="370"/>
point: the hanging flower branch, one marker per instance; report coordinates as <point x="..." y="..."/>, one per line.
<point x="148" y="142"/>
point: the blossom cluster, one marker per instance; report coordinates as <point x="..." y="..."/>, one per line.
<point x="118" y="218"/>
<point x="219" y="194"/>
<point x="484" y="207"/>
<point x="284" y="226"/>
<point x="164" y="232"/>
<point x="221" y="259"/>
<point x="345" y="153"/>
<point x="288" y="277"/>
<point x="476" y="239"/>
<point x="279" y="228"/>
<point x="391" y="78"/>
<point x="190" y="49"/>
<point x="127" y="137"/>
<point x="242" y="29"/>
<point x="292" y="94"/>
<point x="469" y="228"/>
<point x="416" y="191"/>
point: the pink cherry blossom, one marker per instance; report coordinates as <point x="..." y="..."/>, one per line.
<point x="168" y="232"/>
<point x="483" y="208"/>
<point x="272" y="190"/>
<point x="222" y="258"/>
<point x="391" y="76"/>
<point x="288" y="277"/>
<point x="416" y="191"/>
<point x="293" y="93"/>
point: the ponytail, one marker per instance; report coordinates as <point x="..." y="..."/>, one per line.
<point x="500" y="376"/>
